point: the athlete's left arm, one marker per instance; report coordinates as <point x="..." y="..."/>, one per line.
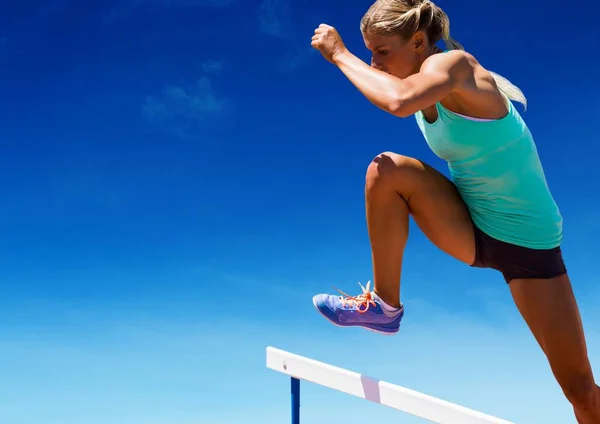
<point x="439" y="75"/>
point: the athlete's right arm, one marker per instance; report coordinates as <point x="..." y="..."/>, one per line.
<point x="438" y="77"/>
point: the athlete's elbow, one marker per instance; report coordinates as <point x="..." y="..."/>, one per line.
<point x="400" y="108"/>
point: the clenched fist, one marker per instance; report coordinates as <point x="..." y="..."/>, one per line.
<point x="328" y="42"/>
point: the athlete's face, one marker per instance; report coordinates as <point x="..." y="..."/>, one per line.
<point x="394" y="55"/>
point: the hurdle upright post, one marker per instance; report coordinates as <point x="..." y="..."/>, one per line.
<point x="295" y="392"/>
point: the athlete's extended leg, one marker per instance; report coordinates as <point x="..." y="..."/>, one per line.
<point x="397" y="186"/>
<point x="550" y="310"/>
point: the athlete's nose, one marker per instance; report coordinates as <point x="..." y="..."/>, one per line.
<point x="376" y="65"/>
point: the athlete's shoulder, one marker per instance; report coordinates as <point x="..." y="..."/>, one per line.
<point x="454" y="62"/>
<point x="458" y="67"/>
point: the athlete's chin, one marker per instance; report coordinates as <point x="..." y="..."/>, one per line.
<point x="396" y="74"/>
<point x="401" y="75"/>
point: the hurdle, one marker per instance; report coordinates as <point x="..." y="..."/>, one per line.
<point x="355" y="384"/>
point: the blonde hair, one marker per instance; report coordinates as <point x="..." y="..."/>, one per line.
<point x="405" y="17"/>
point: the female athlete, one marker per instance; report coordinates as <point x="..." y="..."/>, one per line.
<point x="497" y="212"/>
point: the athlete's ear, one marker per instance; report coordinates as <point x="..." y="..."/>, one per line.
<point x="418" y="42"/>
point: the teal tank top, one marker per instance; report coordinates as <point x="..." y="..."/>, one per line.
<point x="497" y="171"/>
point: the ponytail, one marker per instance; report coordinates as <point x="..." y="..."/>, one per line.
<point x="452" y="44"/>
<point x="504" y="85"/>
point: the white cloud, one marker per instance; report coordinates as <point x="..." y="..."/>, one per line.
<point x="275" y="18"/>
<point x="184" y="110"/>
<point x="212" y="66"/>
<point x="296" y="58"/>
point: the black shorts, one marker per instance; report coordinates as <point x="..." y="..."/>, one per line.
<point x="516" y="261"/>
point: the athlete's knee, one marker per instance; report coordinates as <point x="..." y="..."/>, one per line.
<point x="385" y="168"/>
<point x="580" y="389"/>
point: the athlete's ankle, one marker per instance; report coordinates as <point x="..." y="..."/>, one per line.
<point x="388" y="301"/>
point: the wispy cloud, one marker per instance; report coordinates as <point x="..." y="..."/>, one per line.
<point x="132" y="362"/>
<point x="211" y="66"/>
<point x="296" y="58"/>
<point x="275" y="20"/>
<point x="184" y="110"/>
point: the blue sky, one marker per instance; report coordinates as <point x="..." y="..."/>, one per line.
<point x="180" y="177"/>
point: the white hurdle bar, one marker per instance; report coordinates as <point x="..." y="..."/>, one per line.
<point x="355" y="384"/>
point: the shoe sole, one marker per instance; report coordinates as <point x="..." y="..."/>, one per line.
<point x="384" y="333"/>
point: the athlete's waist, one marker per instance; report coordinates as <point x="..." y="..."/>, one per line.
<point x="531" y="199"/>
<point x="525" y="218"/>
<point x="524" y="230"/>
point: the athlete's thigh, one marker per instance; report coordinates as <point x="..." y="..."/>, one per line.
<point x="551" y="313"/>
<point x="435" y="205"/>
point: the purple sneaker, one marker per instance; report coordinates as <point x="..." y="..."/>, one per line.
<point x="364" y="310"/>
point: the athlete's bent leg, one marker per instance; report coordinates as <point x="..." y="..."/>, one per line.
<point x="551" y="312"/>
<point x="398" y="186"/>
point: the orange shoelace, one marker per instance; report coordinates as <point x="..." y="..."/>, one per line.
<point x="365" y="299"/>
